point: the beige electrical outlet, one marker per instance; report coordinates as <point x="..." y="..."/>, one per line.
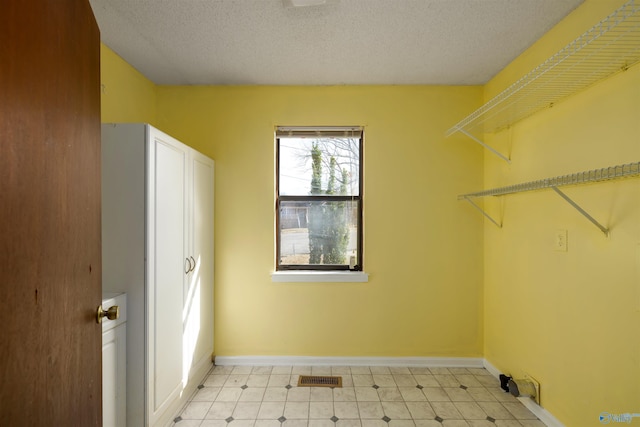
<point x="560" y="241"/>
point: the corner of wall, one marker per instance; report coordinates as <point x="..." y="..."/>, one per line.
<point x="126" y="95"/>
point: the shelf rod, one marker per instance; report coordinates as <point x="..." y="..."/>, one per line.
<point x="627" y="170"/>
<point x="493" y="150"/>
<point x="483" y="212"/>
<point x="602" y="228"/>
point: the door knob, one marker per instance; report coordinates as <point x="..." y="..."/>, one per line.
<point x="112" y="313"/>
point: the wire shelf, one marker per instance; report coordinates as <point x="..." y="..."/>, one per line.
<point x="591" y="176"/>
<point x="610" y="46"/>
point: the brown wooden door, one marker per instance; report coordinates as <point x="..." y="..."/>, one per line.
<point x="50" y="246"/>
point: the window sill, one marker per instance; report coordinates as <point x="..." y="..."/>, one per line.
<point x="319" y="276"/>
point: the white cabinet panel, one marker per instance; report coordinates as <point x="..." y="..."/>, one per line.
<point x="114" y="362"/>
<point x="158" y="247"/>
<point x="167" y="240"/>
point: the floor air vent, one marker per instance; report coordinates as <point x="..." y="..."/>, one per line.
<point x="319" y="381"/>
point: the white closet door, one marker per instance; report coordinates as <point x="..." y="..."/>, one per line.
<point x="167" y="269"/>
<point x="198" y="309"/>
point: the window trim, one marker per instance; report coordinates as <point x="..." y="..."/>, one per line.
<point x="309" y="270"/>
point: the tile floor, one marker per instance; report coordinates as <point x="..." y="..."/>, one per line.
<point x="260" y="396"/>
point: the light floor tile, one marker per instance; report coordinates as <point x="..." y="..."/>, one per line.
<point x="321" y="423"/>
<point x="236" y="380"/>
<point x="220" y="410"/>
<point x="320" y="410"/>
<point x="258" y="380"/>
<point x="532" y="423"/>
<point x="440" y="371"/>
<point x="362" y="380"/>
<point x="405" y="380"/>
<point x="252" y="394"/>
<point x="271" y="410"/>
<point x="264" y="423"/>
<point x="446" y="410"/>
<point x="296" y="410"/>
<point x="346" y="394"/>
<point x="454" y="423"/>
<point x="420" y="371"/>
<point x="470" y="411"/>
<point x="321" y="394"/>
<point x="242" y="370"/>
<point x="215" y="380"/>
<point x="190" y="423"/>
<point x="396" y="410"/>
<point x="276" y="380"/>
<point x="447" y="380"/>
<point x="388" y="394"/>
<point x="401" y="423"/>
<point x="367" y="394"/>
<point x="480" y="423"/>
<point x="426" y="380"/>
<point x="421" y="410"/>
<point x="412" y="394"/>
<point x="246" y="411"/>
<point x="508" y="423"/>
<point x="519" y="411"/>
<point x="294" y="423"/>
<point x="457" y="394"/>
<point x="481" y="394"/>
<point x="321" y="370"/>
<point x="299" y="394"/>
<point x="495" y="410"/>
<point x="370" y="410"/>
<point x="384" y="380"/>
<point x="468" y="380"/>
<point x="212" y="423"/>
<point x="262" y="370"/>
<point x="427" y="423"/>
<point x="196" y="410"/>
<point x="228" y="394"/>
<point x="206" y="394"/>
<point x="346" y="410"/>
<point x="435" y="394"/>
<point x="360" y="370"/>
<point x="275" y="394"/>
<point x="266" y="396"/>
<point x="487" y="381"/>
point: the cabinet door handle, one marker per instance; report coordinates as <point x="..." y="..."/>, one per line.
<point x="187" y="266"/>
<point x="194" y="263"/>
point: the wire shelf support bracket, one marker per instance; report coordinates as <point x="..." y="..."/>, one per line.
<point x="602" y="228"/>
<point x="628" y="170"/>
<point x="610" y="46"/>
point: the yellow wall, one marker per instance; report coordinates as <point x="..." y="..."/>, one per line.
<point x="569" y="319"/>
<point x="438" y="285"/>
<point x="127" y="96"/>
<point x="422" y="251"/>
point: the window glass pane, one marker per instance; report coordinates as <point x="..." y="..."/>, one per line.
<point x="319" y="166"/>
<point x="318" y="232"/>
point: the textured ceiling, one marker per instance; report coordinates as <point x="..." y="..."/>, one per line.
<point x="262" y="42"/>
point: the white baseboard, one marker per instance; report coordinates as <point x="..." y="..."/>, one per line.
<point x="543" y="415"/>
<point x="433" y="362"/>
